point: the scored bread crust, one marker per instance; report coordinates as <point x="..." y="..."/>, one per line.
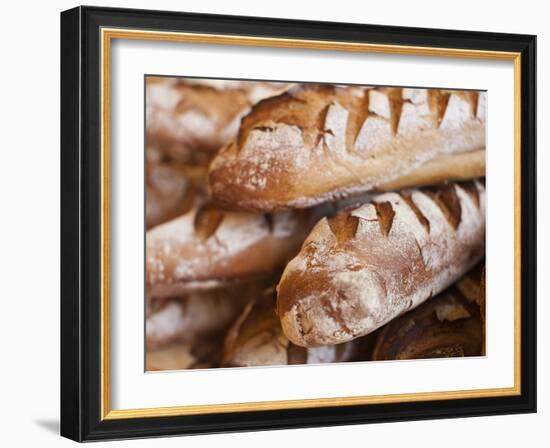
<point x="208" y="247"/>
<point x="362" y="268"/>
<point x="315" y="142"/>
<point x="188" y="120"/>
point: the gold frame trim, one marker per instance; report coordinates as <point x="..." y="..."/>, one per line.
<point x="107" y="35"/>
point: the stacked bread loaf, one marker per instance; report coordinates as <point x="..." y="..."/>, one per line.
<point x="311" y="223"/>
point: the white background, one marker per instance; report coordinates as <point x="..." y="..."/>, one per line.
<point x="132" y="388"/>
<point x="30" y="221"/>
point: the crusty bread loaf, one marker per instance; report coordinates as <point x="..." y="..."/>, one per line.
<point x="188" y="120"/>
<point x="208" y="247"/>
<point x="256" y="339"/>
<point x="315" y="142"/>
<point x="195" y="317"/>
<point x="449" y="325"/>
<point x="362" y="268"/>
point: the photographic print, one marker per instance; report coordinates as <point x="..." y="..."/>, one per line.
<point x="343" y="212"/>
<point x="302" y="223"/>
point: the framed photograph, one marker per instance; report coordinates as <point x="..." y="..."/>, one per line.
<point x="276" y="224"/>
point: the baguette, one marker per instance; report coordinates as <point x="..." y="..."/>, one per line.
<point x="366" y="266"/>
<point x="449" y="325"/>
<point x="347" y="139"/>
<point x="257" y="339"/>
<point x="188" y="120"/>
<point x="208" y="247"/>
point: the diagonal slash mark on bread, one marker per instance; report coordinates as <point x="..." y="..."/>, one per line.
<point x="315" y="143"/>
<point x="375" y="265"/>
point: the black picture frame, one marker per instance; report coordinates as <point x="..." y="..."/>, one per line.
<point x="81" y="212"/>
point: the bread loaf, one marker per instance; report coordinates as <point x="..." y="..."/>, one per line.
<point x="366" y="266"/>
<point x="315" y="142"/>
<point x="256" y="339"/>
<point x="449" y="325"/>
<point x="188" y="120"/>
<point x="208" y="247"/>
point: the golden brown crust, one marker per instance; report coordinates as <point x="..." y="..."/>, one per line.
<point x="256" y="339"/>
<point x="362" y="268"/>
<point x="449" y="325"/>
<point x="445" y="168"/>
<point x="320" y="142"/>
<point x="188" y="120"/>
<point x="209" y="247"/>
